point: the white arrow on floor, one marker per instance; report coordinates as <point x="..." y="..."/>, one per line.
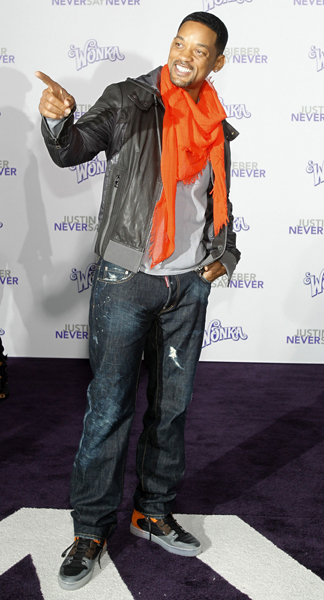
<point x="241" y="555"/>
<point x="45" y="533"/>
<point x="250" y="562"/>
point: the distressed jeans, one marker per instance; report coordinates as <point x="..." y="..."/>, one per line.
<point x="132" y="313"/>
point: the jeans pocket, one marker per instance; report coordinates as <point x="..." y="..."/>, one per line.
<point x="111" y="273"/>
<point x="201" y="277"/>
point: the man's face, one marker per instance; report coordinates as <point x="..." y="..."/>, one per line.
<point x="193" y="56"/>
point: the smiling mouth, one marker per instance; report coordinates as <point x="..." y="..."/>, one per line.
<point x="182" y="70"/>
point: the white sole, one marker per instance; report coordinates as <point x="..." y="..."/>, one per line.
<point x="77" y="584"/>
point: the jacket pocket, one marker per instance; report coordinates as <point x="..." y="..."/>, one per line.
<point x="113" y="193"/>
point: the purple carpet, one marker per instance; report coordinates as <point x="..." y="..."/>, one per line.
<point x="255" y="449"/>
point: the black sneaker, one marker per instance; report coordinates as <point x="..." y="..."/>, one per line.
<point x="77" y="568"/>
<point x="167" y="533"/>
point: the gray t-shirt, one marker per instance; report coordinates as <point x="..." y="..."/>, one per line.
<point x="190" y="220"/>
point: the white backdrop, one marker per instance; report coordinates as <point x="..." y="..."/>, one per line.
<point x="272" y="89"/>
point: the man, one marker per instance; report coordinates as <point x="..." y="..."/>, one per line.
<point x="165" y="234"/>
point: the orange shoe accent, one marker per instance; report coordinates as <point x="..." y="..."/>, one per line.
<point x="136" y="515"/>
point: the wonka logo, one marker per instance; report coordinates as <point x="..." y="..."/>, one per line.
<point x="2" y="331"/>
<point x="84" y="279"/>
<point x="217" y="333"/>
<point x="1" y="224"/>
<point x="93" y="53"/>
<point x="317" y="284"/>
<point x="240" y="225"/>
<point x="238" y="111"/>
<point x="210" y="4"/>
<point x="317" y="170"/>
<point x="89" y="169"/>
<point x="319" y="55"/>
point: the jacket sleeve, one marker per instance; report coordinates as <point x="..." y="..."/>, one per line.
<point x="92" y="133"/>
<point x="231" y="255"/>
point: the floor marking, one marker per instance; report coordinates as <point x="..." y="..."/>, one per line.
<point x="45" y="533"/>
<point x="233" y="549"/>
<point x="250" y="562"/>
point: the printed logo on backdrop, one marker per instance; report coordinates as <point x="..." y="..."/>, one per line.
<point x="237" y="111"/>
<point x="1" y="224"/>
<point x="6" y="278"/>
<point x="77" y="223"/>
<point x="245" y="55"/>
<point x="5" y="58"/>
<point x="308" y="114"/>
<point x="211" y="4"/>
<point x="5" y="170"/>
<point x="89" y="169"/>
<point x="73" y="332"/>
<point x="84" y="280"/>
<point x="216" y="333"/>
<point x="247" y="169"/>
<point x="240" y="225"/>
<point x="309" y="337"/>
<point x="2" y="331"/>
<point x="318" y="54"/>
<point x="308" y="227"/>
<point x="240" y="281"/>
<point x="93" y="53"/>
<point x="317" y="171"/>
<point x="308" y="2"/>
<point x="81" y="109"/>
<point x="316" y="283"/>
<point x="95" y="2"/>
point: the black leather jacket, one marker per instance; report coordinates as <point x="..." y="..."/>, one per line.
<point x="126" y="122"/>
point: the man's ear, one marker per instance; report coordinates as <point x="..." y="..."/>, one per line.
<point x="220" y="62"/>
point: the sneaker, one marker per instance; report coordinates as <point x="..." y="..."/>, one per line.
<point x="77" y="568"/>
<point x="166" y="532"/>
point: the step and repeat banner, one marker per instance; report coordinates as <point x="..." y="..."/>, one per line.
<point x="272" y="90"/>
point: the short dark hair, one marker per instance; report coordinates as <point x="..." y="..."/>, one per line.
<point x="214" y="23"/>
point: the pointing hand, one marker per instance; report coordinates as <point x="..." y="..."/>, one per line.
<point x="55" y="102"/>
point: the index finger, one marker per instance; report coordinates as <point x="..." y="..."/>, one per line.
<point x="47" y="80"/>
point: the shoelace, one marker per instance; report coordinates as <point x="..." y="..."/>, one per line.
<point x="173" y="524"/>
<point x="82" y="548"/>
<point x="170" y="520"/>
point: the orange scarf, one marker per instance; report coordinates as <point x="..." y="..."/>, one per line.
<point x="192" y="134"/>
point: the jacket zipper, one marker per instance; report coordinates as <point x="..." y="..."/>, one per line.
<point x="160" y="150"/>
<point x="114" y="192"/>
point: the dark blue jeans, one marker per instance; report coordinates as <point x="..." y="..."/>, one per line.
<point x="132" y="313"/>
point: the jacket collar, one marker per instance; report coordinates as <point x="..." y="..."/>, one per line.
<point x="149" y="83"/>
